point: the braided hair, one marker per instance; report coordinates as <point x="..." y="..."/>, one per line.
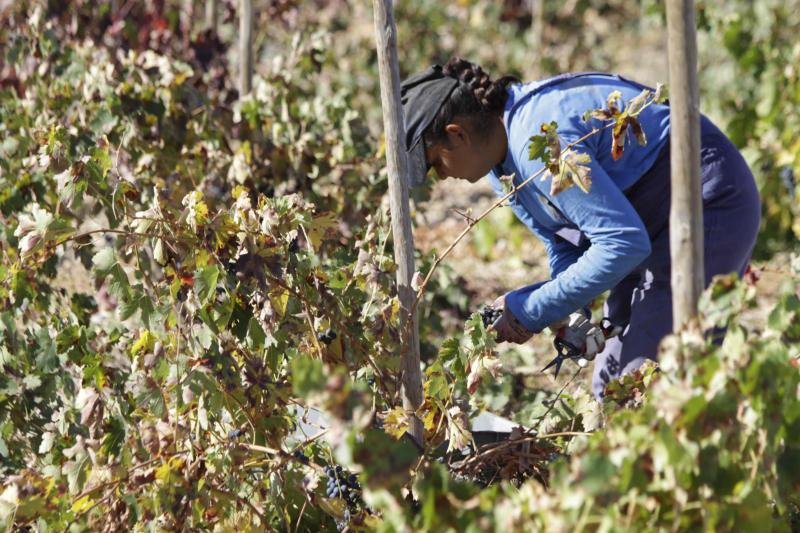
<point x="476" y="97"/>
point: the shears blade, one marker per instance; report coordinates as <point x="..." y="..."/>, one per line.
<point x="557" y="362"/>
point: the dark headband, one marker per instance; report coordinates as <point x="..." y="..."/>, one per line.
<point x="422" y="95"/>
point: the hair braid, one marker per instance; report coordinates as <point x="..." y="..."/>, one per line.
<point x="477" y="97"/>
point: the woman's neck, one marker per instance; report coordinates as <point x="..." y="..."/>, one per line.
<point x="498" y="144"/>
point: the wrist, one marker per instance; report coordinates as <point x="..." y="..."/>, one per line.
<point x="518" y="327"/>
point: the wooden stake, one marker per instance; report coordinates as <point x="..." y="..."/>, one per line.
<point x="686" y="210"/>
<point x="537" y="37"/>
<point x="394" y="132"/>
<point x="186" y="22"/>
<point x="211" y="15"/>
<point x="245" y="47"/>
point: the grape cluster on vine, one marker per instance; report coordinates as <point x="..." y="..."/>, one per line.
<point x="301" y="457"/>
<point x="489" y="315"/>
<point x="342" y="484"/>
<point x="327" y="336"/>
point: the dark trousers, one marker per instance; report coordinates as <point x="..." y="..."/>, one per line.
<point x="642" y="302"/>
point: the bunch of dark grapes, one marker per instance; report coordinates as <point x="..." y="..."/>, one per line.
<point x="489" y="315"/>
<point x="342" y="525"/>
<point x="327" y="336"/>
<point x="342" y="484"/>
<point x="300" y="456"/>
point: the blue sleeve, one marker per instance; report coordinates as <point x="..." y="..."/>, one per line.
<point x="560" y="253"/>
<point x="618" y="243"/>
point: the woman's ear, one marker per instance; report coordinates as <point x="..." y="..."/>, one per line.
<point x="457" y="135"/>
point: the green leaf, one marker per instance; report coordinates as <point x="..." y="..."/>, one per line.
<point x="308" y="376"/>
<point x="104" y="261"/>
<point x="203" y="335"/>
<point x="436" y="385"/>
<point x="102" y="159"/>
<point x="106" y="265"/>
<point x="9" y="499"/>
<point x="8" y="147"/>
<point x="103" y="121"/>
<point x="31" y="382"/>
<point x="5" y="357"/>
<point x="205" y="283"/>
<point x="386" y="461"/>
<point x="538" y="148"/>
<point x="136" y="300"/>
<point x="255" y="335"/>
<point x="114" y="437"/>
<point x="784" y="313"/>
<point x="449" y="350"/>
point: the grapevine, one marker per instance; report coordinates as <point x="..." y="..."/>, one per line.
<point x="199" y="324"/>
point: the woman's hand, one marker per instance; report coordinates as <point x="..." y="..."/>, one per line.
<point x="581" y="333"/>
<point x="508" y="328"/>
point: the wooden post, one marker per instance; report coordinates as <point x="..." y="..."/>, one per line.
<point x="537" y="37"/>
<point x="686" y="210"/>
<point x="245" y="47"/>
<point x="186" y="21"/>
<point x="211" y="15"/>
<point x="394" y="132"/>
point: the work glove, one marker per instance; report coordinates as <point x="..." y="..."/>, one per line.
<point x="508" y="328"/>
<point x="581" y="333"/>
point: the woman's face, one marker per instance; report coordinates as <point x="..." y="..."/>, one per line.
<point x="467" y="154"/>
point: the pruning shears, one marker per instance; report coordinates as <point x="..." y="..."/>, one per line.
<point x="566" y="350"/>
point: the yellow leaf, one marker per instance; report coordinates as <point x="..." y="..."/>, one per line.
<point x="335" y="350"/>
<point x="322" y="227"/>
<point x="162" y="472"/>
<point x="279" y="297"/>
<point x="372" y="522"/>
<point x="196" y="209"/>
<point x="165" y="472"/>
<point x="333" y="506"/>
<point x="395" y="310"/>
<point x="613" y="99"/>
<point x="429" y="420"/>
<point x="238" y="191"/>
<point x="396" y="422"/>
<point x="145" y="343"/>
<point x="82" y="504"/>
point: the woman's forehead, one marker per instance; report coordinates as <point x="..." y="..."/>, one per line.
<point x="418" y="164"/>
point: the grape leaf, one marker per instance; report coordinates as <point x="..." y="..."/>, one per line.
<point x="205" y="283"/>
<point x="308" y="376"/>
